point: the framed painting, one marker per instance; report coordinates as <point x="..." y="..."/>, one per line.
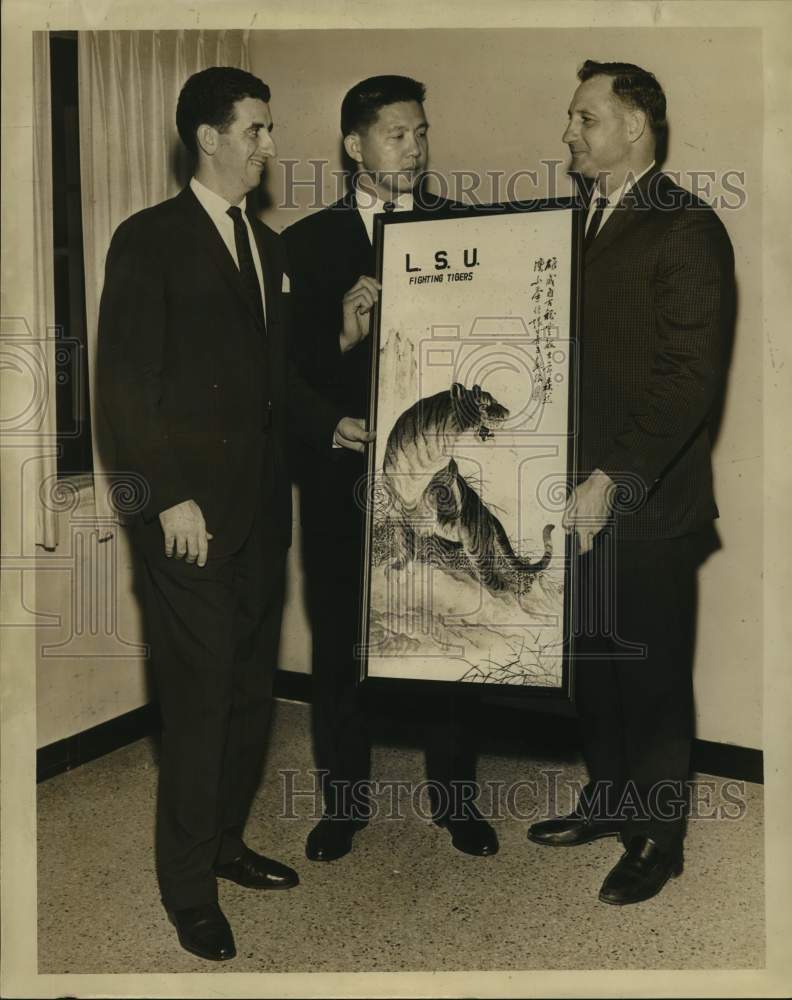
<point x="473" y="400"/>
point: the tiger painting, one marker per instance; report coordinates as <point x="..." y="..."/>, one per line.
<point x="439" y="516"/>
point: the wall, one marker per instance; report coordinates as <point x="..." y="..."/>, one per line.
<point x="497" y="102"/>
<point x="91" y="659"/>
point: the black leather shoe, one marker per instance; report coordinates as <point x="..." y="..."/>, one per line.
<point x="254" y="871"/>
<point x="331" y="838"/>
<point x="569" y="831"/>
<point x="640" y="873"/>
<point x="204" y="931"/>
<point x="471" y="835"/>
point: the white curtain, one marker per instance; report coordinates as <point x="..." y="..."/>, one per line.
<point x="44" y="286"/>
<point x="132" y="157"/>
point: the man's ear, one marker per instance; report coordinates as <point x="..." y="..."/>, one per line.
<point x="206" y="137"/>
<point x="352" y="147"/>
<point x="636" y="124"/>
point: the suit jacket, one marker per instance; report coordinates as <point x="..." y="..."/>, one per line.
<point x="328" y="252"/>
<point x="185" y="371"/>
<point x="658" y="306"/>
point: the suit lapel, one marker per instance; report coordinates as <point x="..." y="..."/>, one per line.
<point x="352" y="234"/>
<point x="271" y="289"/>
<point x="426" y="203"/>
<point x="631" y="210"/>
<point x="205" y="233"/>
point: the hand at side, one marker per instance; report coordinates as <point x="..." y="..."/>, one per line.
<point x="185" y="532"/>
<point x="588" y="508"/>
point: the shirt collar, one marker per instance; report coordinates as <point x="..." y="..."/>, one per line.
<point x="404" y="203"/>
<point x="630" y="181"/>
<point x="216" y="206"/>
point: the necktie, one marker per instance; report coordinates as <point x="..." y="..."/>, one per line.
<point x="596" y="218"/>
<point x="389" y="206"/>
<point x="247" y="269"/>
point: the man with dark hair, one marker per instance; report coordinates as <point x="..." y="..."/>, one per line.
<point x="333" y="290"/>
<point x="658" y="301"/>
<point x="634" y="88"/>
<point x="199" y="396"/>
<point x="361" y="105"/>
<point x="208" y="98"/>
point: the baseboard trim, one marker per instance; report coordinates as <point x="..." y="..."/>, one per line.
<point x="727" y="760"/>
<point x="291" y="686"/>
<point x="722" y="760"/>
<point x="71" y="752"/>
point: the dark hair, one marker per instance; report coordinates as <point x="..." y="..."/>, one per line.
<point x="635" y="87"/>
<point x="208" y="98"/>
<point x="362" y="103"/>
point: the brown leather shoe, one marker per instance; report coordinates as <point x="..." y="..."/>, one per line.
<point x="254" y="871"/>
<point x="640" y="873"/>
<point x="204" y="931"/>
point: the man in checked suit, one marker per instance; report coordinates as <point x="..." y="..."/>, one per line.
<point x="332" y="264"/>
<point x="658" y="301"/>
<point x="200" y="398"/>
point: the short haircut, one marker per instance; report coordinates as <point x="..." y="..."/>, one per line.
<point x="208" y="98"/>
<point x="635" y="87"/>
<point x="362" y="103"/>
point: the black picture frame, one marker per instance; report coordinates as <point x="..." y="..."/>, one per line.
<point x="563" y="691"/>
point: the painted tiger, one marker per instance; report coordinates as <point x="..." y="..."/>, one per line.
<point x="440" y="516"/>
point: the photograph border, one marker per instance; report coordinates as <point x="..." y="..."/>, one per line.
<point x="20" y="18"/>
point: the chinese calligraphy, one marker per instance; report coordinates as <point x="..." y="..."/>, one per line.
<point x="543" y="324"/>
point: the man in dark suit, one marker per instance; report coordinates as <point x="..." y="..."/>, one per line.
<point x="333" y="290"/>
<point x="658" y="300"/>
<point x="194" y="379"/>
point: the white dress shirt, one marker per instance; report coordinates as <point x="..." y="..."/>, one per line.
<point x="217" y="208"/>
<point x="369" y="208"/>
<point x="613" y="198"/>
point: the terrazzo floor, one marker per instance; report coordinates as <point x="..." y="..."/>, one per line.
<point x="404" y="899"/>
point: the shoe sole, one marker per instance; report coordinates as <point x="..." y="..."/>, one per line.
<point x="327" y="861"/>
<point x="207" y="958"/>
<point x="333" y="857"/>
<point x="252" y="885"/>
<point x="574" y="843"/>
<point x="474" y="854"/>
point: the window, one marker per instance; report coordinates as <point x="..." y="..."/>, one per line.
<point x="73" y="409"/>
